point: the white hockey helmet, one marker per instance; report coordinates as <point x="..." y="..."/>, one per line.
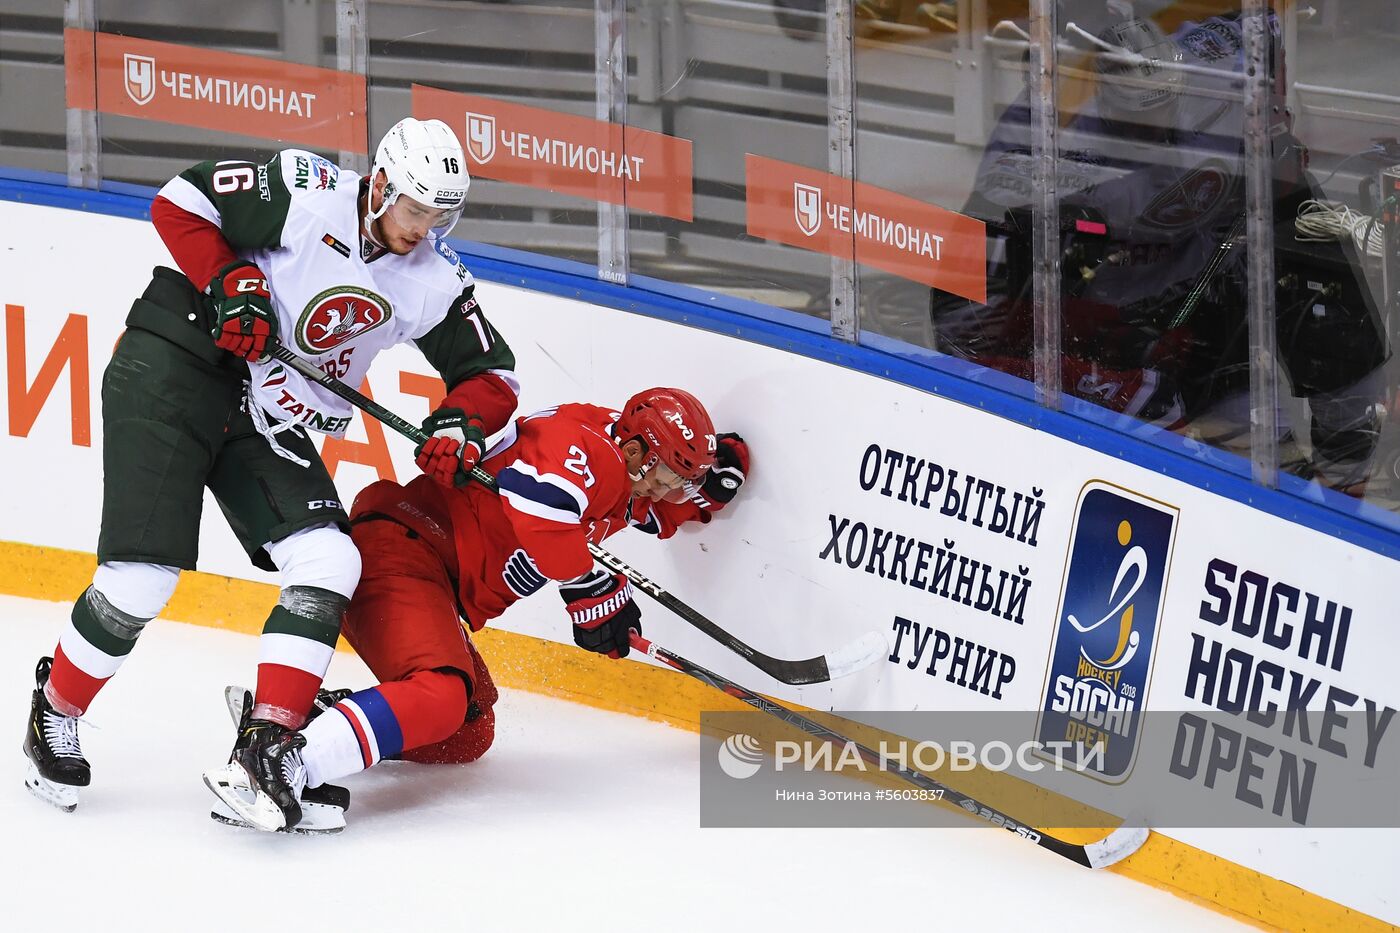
<point x="423" y="160"/>
<point x="1139" y="69"/>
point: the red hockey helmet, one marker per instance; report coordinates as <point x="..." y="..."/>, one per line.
<point x="674" y="426"/>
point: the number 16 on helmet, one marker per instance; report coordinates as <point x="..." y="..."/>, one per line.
<point x="422" y="160"/>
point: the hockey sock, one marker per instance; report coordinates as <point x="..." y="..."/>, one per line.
<point x="296" y="647"/>
<point x="91" y="649"/>
<point x="378" y="723"/>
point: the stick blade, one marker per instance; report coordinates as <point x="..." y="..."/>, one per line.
<point x="1116" y="846"/>
<point x="857" y="656"/>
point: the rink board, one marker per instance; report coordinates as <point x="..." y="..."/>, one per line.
<point x="796" y="566"/>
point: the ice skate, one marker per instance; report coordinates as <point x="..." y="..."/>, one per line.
<point x="322" y="808"/>
<point x="57" y="767"/>
<point x="263" y="781"/>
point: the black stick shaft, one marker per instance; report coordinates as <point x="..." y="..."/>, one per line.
<point x="1075" y="853"/>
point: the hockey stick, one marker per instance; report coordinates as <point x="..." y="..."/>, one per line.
<point x="1110" y="850"/>
<point x="853" y="657"/>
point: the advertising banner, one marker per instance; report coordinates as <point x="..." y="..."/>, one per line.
<point x="825" y="213"/>
<point x="317" y="107"/>
<point x="567" y="154"/>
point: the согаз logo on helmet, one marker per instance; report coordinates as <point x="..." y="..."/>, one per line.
<point x="338" y="315"/>
<point x="807" y="207"/>
<point x="481" y="137"/>
<point x="139" y="72"/>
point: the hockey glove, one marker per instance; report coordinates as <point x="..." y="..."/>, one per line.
<point x="601" y="607"/>
<point x="456" y="444"/>
<point x="721" y="484"/>
<point x="244" y="321"/>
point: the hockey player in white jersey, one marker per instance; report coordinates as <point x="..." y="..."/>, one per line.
<point x="336" y="268"/>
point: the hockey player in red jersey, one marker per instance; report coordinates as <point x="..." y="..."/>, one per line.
<point x="436" y="557"/>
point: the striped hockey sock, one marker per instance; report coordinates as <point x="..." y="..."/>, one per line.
<point x="378" y="723"/>
<point x="355" y="734"/>
<point x="91" y="649"/>
<point x="293" y="653"/>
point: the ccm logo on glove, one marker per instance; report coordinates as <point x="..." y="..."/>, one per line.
<point x="244" y="321"/>
<point x="456" y="444"/>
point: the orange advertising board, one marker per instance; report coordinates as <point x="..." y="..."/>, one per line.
<point x="825" y="213"/>
<point x="190" y="86"/>
<point x="560" y="152"/>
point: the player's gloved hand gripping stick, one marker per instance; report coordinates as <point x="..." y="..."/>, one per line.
<point x="846" y="660"/>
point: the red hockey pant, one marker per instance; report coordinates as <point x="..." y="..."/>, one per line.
<point x="403" y="623"/>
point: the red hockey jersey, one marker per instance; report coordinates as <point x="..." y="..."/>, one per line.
<point x="562" y="482"/>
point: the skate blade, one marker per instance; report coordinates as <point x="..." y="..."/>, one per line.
<point x="236" y="698"/>
<point x="231" y="785"/>
<point x="63" y="796"/>
<point x="317" y="819"/>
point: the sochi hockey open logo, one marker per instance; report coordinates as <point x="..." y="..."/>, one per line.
<point x="338" y="315"/>
<point x="1105" y="634"/>
<point x="807" y="207"/>
<point x="139" y="72"/>
<point x="481" y="137"/>
<point x="740" y="756"/>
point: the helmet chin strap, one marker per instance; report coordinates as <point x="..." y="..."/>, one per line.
<point x="386" y="198"/>
<point x="643" y="469"/>
<point x="369" y="232"/>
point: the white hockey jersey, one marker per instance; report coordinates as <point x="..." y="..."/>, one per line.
<point x="338" y="302"/>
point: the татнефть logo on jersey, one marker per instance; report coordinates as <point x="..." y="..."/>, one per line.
<point x="1106" y="630"/>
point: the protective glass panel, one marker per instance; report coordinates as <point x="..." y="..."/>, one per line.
<point x="183" y="81"/>
<point x="1337" y="256"/>
<point x="1151" y="176"/>
<point x="975" y="161"/>
<point x="515" y="82"/>
<point x="746" y="84"/>
<point x="32" y="92"/>
<point x="933" y="82"/>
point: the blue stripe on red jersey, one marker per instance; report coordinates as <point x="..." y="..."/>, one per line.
<point x="547" y="494"/>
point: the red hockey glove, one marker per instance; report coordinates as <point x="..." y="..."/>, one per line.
<point x="243" y="317"/>
<point x="601" y="607"/>
<point x="457" y="443"/>
<point x="721" y="484"/>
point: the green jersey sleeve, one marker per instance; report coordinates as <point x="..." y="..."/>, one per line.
<point x="251" y="200"/>
<point x="464" y="343"/>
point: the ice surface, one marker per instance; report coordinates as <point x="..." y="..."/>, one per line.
<point x="576" y="820"/>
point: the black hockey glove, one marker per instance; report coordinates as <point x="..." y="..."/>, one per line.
<point x="721" y="484"/>
<point x="600" y="606"/>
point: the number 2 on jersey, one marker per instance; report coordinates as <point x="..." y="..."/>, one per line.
<point x="578" y="463"/>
